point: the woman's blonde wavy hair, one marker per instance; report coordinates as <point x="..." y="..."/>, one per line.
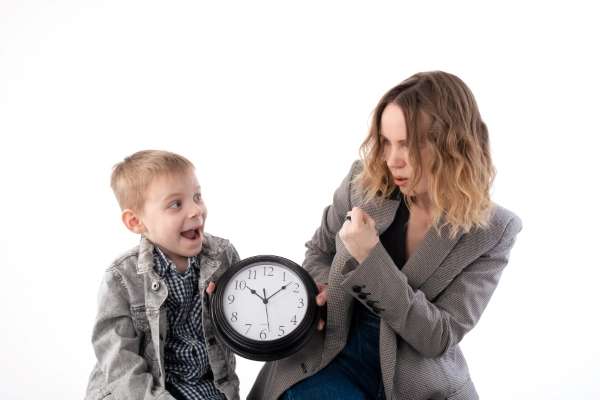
<point x="441" y="117"/>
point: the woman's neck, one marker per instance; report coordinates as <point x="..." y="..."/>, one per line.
<point x="422" y="203"/>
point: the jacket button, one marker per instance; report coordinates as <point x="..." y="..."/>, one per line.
<point x="155" y="285"/>
<point x="356" y="289"/>
<point x="371" y="303"/>
<point x="362" y="296"/>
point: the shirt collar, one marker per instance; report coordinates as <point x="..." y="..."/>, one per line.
<point x="162" y="263"/>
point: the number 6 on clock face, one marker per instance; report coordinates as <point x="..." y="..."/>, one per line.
<point x="264" y="307"/>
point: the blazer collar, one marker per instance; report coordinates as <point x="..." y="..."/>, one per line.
<point x="430" y="253"/>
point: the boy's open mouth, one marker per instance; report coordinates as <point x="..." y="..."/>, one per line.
<point x="191" y="234"/>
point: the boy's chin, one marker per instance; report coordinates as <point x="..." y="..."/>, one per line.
<point x="193" y="249"/>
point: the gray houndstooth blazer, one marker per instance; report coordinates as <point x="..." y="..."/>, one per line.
<point x="425" y="309"/>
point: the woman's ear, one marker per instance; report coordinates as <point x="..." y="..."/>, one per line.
<point x="132" y="221"/>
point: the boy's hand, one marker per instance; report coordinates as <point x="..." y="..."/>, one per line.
<point x="322" y="302"/>
<point x="211" y="288"/>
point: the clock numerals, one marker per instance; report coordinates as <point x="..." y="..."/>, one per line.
<point x="240" y="285"/>
<point x="265" y="302"/>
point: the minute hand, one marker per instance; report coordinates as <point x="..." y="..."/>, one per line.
<point x="282" y="288"/>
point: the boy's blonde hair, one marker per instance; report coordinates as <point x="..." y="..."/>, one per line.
<point x="131" y="177"/>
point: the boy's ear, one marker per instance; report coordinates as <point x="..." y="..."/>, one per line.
<point x="132" y="221"/>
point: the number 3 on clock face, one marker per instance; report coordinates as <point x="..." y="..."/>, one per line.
<point x="265" y="301"/>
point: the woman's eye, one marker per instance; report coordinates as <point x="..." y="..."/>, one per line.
<point x="175" y="204"/>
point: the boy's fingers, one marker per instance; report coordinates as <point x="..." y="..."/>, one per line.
<point x="321" y="325"/>
<point x="211" y="288"/>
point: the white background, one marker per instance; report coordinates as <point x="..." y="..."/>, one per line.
<point x="271" y="101"/>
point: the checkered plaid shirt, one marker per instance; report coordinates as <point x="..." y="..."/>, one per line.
<point x="186" y="358"/>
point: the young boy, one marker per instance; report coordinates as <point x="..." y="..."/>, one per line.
<point x="153" y="335"/>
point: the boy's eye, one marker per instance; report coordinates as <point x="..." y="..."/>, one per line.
<point x="175" y="204"/>
<point x="197" y="197"/>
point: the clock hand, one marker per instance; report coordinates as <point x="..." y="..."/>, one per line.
<point x="264" y="300"/>
<point x="282" y="288"/>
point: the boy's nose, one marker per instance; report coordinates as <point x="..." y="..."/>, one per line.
<point x="197" y="211"/>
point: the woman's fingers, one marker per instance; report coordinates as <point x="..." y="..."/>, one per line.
<point x="322" y="296"/>
<point x="322" y="302"/>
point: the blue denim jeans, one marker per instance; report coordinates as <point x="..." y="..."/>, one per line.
<point x="355" y="373"/>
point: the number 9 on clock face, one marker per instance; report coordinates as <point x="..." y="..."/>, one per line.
<point x="264" y="307"/>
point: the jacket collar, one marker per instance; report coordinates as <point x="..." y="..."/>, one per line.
<point x="208" y="255"/>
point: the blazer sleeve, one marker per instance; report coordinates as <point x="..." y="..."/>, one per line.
<point x="321" y="248"/>
<point x="432" y="327"/>
<point x="117" y="346"/>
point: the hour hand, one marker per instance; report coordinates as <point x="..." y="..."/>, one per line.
<point x="254" y="292"/>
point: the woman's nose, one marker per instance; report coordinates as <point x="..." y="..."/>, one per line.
<point x="397" y="159"/>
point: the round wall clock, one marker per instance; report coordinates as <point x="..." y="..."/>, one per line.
<point x="264" y="307"/>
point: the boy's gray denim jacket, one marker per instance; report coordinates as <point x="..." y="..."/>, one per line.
<point x="131" y="326"/>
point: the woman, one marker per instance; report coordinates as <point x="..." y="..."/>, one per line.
<point x="409" y="254"/>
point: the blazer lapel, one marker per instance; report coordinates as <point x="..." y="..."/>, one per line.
<point x="382" y="211"/>
<point x="429" y="255"/>
<point x="431" y="251"/>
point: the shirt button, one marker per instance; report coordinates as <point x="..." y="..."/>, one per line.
<point x="155" y="286"/>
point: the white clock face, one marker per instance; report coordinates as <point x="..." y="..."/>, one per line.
<point x="265" y="301"/>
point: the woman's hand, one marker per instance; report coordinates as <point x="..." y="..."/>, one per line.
<point x="322" y="302"/>
<point x="359" y="234"/>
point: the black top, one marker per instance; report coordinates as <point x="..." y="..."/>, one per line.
<point x="394" y="237"/>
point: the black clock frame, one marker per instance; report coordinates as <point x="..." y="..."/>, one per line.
<point x="265" y="350"/>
